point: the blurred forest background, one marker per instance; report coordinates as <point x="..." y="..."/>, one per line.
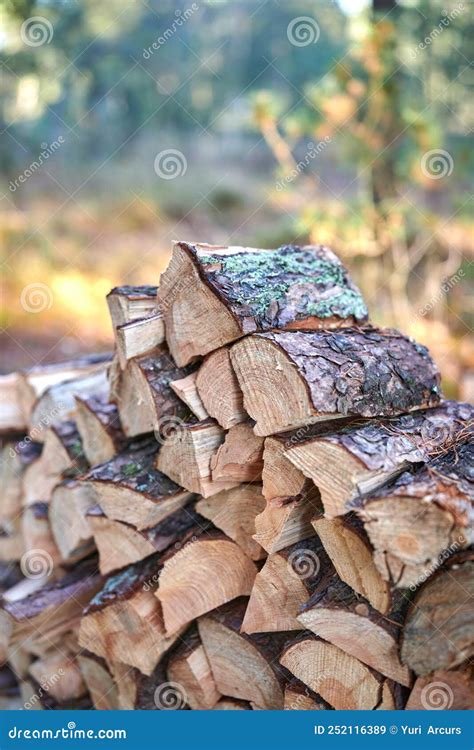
<point x="126" y="125"/>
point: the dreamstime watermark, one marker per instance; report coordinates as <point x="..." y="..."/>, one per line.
<point x="170" y="164"/>
<point x="170" y="696"/>
<point x="445" y="287"/>
<point x="47" y="150"/>
<point x="182" y="285"/>
<point x="45" y="684"/>
<point x="437" y="696"/>
<point x="437" y="163"/>
<point x="442" y="557"/>
<point x="304" y="562"/>
<point x="153" y="580"/>
<point x="302" y="31"/>
<point x="70" y="732"/>
<point x="169" y="429"/>
<point x="438" y="30"/>
<point x="36" y="297"/>
<point x="313" y="150"/>
<point x="37" y="430"/>
<point x="36" y="31"/>
<point x="181" y="18"/>
<point x="36" y="563"/>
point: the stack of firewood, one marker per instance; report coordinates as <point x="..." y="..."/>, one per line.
<point x="260" y="501"/>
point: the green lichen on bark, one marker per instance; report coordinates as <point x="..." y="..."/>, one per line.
<point x="280" y="286"/>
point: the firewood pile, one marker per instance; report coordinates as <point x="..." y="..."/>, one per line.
<point x="258" y="501"/>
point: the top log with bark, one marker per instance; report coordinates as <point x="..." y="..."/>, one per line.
<point x="361" y="457"/>
<point x="211" y="295"/>
<point x="127" y="303"/>
<point x="295" y="378"/>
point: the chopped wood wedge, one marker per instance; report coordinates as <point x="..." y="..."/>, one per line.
<point x="295" y="378"/>
<point x="439" y="629"/>
<point x="334" y="612"/>
<point x="12" y="417"/>
<point x="211" y="295"/>
<point x="36" y="531"/>
<point x="244" y="667"/>
<point x="70" y="526"/>
<point x="283" y="586"/>
<point x="127" y="303"/>
<point x="287" y="520"/>
<point x="185" y="457"/>
<point x="361" y="457"/>
<point x="219" y="389"/>
<point x="186" y="390"/>
<point x="421" y="518"/>
<point x="234" y="511"/>
<point x="124" y="620"/>
<point x="51" y="610"/>
<point x="120" y="544"/>
<point x="209" y="570"/>
<point x="33" y="383"/>
<point x="343" y="681"/>
<point x="58" y="402"/>
<point x="99" y="426"/>
<point x="128" y="488"/>
<point x="347" y="544"/>
<point x="188" y="667"/>
<point x="63" y="452"/>
<point x="299" y="697"/>
<point x="240" y="457"/>
<point x="145" y="399"/>
<point x="443" y="691"/>
<point x="100" y="682"/>
<point x="59" y="675"/>
<point x="137" y="337"/>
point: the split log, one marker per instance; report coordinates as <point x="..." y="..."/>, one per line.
<point x="58" y="402"/>
<point x="336" y="614"/>
<point x="359" y="458"/>
<point x="443" y="691"/>
<point x="299" y="697"/>
<point x="186" y="390"/>
<point x="12" y="417"/>
<point x="439" y="628"/>
<point x="347" y="544"/>
<point x="68" y="507"/>
<point x="63" y="453"/>
<point x="120" y="544"/>
<point x="36" y="531"/>
<point x="287" y="520"/>
<point x="99" y="426"/>
<point x="219" y="389"/>
<point x="240" y="457"/>
<point x="59" y="676"/>
<point x="129" y="489"/>
<point x="137" y="337"/>
<point x="51" y="610"/>
<point x="211" y="295"/>
<point x="15" y="457"/>
<point x="342" y="681"/>
<point x="33" y="383"/>
<point x="280" y="477"/>
<point x="37" y="482"/>
<point x="421" y="518"/>
<point x="284" y="584"/>
<point x="124" y="621"/>
<point x="145" y="400"/>
<point x="188" y="667"/>
<point x="208" y="571"/>
<point x="11" y="540"/>
<point x="234" y="511"/>
<point x="296" y="378"/>
<point x="244" y="666"/>
<point x="185" y="457"/>
<point x="127" y="303"/>
<point x="100" y="683"/>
